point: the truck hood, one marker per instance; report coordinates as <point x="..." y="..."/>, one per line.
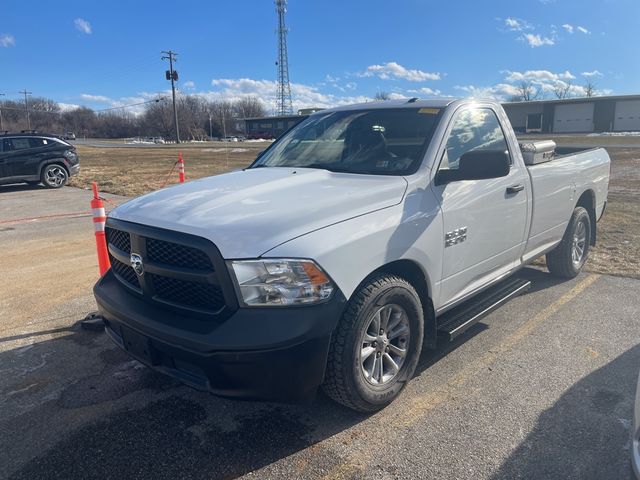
<point x="247" y="213"/>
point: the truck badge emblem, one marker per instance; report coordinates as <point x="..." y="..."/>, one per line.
<point x="456" y="236"/>
<point x="136" y="264"/>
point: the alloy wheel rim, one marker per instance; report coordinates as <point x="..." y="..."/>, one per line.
<point x="579" y="243"/>
<point x="384" y="344"/>
<point x="55" y="176"/>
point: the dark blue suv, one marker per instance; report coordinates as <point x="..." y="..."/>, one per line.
<point x="36" y="158"/>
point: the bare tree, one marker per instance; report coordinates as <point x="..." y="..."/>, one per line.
<point x="589" y="88"/>
<point x="249" y="107"/>
<point x="382" y="95"/>
<point x="562" y="89"/>
<point x="527" y="91"/>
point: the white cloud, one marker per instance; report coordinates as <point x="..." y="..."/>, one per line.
<point x="517" y="24"/>
<point x="82" y="25"/>
<point x="95" y="98"/>
<point x="351" y="85"/>
<point x="65" y="107"/>
<point x="189" y="85"/>
<point x="568" y="27"/>
<point x="594" y="73"/>
<point x="499" y="91"/>
<point x="425" y="91"/>
<point x="393" y="70"/>
<point x="303" y="96"/>
<point x="535" y="40"/>
<point x="583" y="30"/>
<point x="7" y="40"/>
<point x="537" y="76"/>
<point x="542" y="82"/>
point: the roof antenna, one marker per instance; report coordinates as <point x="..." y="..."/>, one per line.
<point x="412" y="100"/>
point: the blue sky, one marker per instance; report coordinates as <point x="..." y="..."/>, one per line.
<point x="105" y="54"/>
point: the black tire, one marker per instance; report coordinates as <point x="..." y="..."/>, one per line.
<point x="561" y="261"/>
<point x="54" y="176"/>
<point x="345" y="378"/>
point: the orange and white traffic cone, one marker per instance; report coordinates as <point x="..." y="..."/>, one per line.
<point x="94" y="321"/>
<point x="99" y="219"/>
<point x="180" y="168"/>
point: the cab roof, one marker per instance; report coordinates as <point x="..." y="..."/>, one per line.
<point x="402" y="103"/>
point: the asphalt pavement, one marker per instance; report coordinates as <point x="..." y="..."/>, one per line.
<point x="541" y="388"/>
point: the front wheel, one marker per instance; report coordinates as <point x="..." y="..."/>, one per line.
<point x="54" y="176"/>
<point x="568" y="258"/>
<point x="376" y="346"/>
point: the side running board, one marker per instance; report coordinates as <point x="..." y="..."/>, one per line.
<point x="457" y="320"/>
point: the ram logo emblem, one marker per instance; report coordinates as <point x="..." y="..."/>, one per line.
<point x="456" y="236"/>
<point x="136" y="264"/>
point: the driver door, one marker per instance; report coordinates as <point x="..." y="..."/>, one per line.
<point x="484" y="224"/>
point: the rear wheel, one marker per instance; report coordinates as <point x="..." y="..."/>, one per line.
<point x="54" y="176"/>
<point x="568" y="258"/>
<point x="376" y="346"/>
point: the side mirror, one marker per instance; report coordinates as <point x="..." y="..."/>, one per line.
<point x="477" y="165"/>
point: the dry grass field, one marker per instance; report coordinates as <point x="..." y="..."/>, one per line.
<point x="136" y="170"/>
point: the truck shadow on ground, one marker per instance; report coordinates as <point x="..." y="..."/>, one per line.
<point x="586" y="434"/>
<point x="81" y="408"/>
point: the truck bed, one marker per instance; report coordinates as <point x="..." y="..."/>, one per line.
<point x="557" y="186"/>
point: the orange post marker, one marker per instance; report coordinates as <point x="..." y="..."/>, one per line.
<point x="99" y="219"/>
<point x="180" y="168"/>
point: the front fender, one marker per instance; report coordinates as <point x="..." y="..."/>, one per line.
<point x="349" y="251"/>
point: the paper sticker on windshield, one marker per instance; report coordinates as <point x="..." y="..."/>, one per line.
<point x="432" y="111"/>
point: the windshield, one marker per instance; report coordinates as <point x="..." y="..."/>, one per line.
<point x="382" y="141"/>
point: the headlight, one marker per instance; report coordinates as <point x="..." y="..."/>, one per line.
<point x="281" y="282"/>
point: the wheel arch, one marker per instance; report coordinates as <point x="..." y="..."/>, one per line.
<point x="418" y="278"/>
<point x="588" y="201"/>
<point x="53" y="161"/>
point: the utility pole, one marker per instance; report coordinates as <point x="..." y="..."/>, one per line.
<point x="172" y="75"/>
<point x="210" y="129"/>
<point x="26" y="107"/>
<point x="1" y="126"/>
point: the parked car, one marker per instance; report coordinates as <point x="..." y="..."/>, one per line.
<point x="37" y="158"/>
<point x="159" y="140"/>
<point x="69" y="136"/>
<point x="229" y="138"/>
<point x="359" y="236"/>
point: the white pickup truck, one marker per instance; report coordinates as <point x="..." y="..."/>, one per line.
<point x="363" y="234"/>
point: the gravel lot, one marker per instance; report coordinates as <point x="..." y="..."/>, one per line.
<point x="542" y="388"/>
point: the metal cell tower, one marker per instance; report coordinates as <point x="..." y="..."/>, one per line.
<point x="283" y="95"/>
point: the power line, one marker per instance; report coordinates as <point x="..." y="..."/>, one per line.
<point x="172" y="75"/>
<point x="96" y="111"/>
<point x="26" y="106"/>
<point x="130" y="105"/>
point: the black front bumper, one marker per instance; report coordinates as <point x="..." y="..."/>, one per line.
<point x="257" y="353"/>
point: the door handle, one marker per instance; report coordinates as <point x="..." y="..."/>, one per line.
<point x="515" y="188"/>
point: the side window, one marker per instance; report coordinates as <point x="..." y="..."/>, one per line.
<point x="473" y="129"/>
<point x="19" y="143"/>
<point x="36" y="142"/>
